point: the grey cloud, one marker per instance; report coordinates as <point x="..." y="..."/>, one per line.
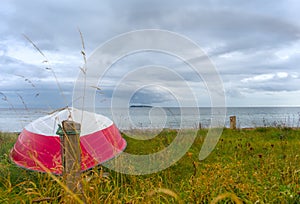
<point x="147" y="96"/>
<point x="210" y="24"/>
<point x="274" y="83"/>
<point x="15" y="68"/>
<point x="255" y="29"/>
<point x="53" y="24"/>
<point x="234" y="93"/>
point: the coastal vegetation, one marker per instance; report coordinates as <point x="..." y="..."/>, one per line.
<point x="258" y="165"/>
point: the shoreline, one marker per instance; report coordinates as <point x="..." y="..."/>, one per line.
<point x="135" y="130"/>
<point x="143" y="118"/>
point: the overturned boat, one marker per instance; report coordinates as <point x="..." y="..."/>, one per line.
<point x="38" y="146"/>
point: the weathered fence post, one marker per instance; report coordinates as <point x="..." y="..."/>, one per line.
<point x="71" y="154"/>
<point x="232" y="122"/>
<point x="199" y="126"/>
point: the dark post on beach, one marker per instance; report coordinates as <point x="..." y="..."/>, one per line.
<point x="199" y="126"/>
<point x="71" y="152"/>
<point x="232" y="122"/>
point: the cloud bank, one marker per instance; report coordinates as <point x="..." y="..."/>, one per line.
<point x="254" y="45"/>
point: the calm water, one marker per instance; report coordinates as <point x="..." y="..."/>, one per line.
<point x="145" y="117"/>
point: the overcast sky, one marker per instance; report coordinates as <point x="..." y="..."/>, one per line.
<point x="254" y="45"/>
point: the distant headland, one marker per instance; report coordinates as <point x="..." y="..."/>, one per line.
<point x="140" y="106"/>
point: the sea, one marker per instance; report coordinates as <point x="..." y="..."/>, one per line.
<point x="14" y="120"/>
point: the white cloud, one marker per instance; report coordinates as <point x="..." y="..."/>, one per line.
<point x="282" y="75"/>
<point x="259" y="78"/>
<point x="267" y="77"/>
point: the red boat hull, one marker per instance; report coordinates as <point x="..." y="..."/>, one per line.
<point x="43" y="152"/>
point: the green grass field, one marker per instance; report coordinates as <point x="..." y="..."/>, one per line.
<point x="260" y="165"/>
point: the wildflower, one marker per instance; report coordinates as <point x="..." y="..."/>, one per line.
<point x="189" y="154"/>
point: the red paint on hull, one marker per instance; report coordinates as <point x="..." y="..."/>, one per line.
<point x="96" y="148"/>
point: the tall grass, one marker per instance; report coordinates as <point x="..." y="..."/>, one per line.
<point x="259" y="165"/>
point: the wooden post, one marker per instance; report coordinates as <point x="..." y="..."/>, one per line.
<point x="232" y="122"/>
<point x="71" y="155"/>
<point x="199" y="126"/>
